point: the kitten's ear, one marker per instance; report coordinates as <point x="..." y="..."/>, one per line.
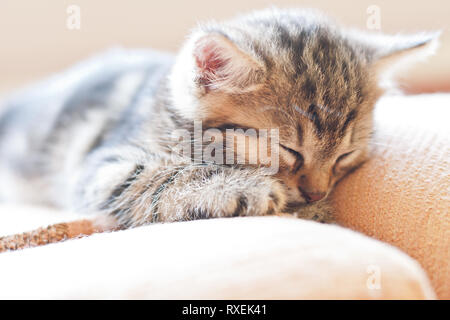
<point x="221" y="65"/>
<point x="392" y="53"/>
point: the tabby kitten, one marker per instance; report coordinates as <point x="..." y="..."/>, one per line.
<point x="100" y="138"/>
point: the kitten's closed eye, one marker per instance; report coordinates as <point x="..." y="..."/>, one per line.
<point x="344" y="161"/>
<point x="299" y="160"/>
<point x="343" y="156"/>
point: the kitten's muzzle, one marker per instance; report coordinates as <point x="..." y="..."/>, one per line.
<point x="312" y="196"/>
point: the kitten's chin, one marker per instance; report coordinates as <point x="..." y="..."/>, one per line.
<point x="293" y="206"/>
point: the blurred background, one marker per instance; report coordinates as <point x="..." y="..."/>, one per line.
<point x="35" y="39"/>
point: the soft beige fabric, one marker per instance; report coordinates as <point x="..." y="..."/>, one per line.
<point x="401" y="195"/>
<point x="249" y="258"/>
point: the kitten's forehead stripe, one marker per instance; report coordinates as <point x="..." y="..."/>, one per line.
<point x="314" y="117"/>
<point x="300" y="134"/>
<point x="309" y="88"/>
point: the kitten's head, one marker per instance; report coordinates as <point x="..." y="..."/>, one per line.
<point x="300" y="73"/>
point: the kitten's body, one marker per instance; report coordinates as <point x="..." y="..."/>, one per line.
<point x="98" y="138"/>
<point x="51" y="129"/>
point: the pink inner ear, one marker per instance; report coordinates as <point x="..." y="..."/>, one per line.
<point x="209" y="60"/>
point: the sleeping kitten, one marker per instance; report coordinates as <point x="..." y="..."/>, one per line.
<point x="100" y="138"/>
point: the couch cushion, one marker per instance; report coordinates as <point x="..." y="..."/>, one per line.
<point x="235" y="258"/>
<point x="401" y="195"/>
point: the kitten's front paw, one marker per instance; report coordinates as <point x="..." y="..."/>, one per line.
<point x="265" y="197"/>
<point x="228" y="193"/>
<point x="245" y="197"/>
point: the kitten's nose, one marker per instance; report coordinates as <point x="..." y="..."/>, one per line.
<point x="314" y="196"/>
